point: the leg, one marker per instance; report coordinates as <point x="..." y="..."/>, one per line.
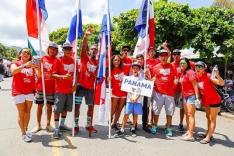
<point x="125" y="119"/>
<point x="27" y="110"/>
<point x="49" y="114"/>
<point x="119" y="110"/>
<point x="191" y="119"/>
<point x="20" y="108"/>
<point x="145" y="114"/>
<point x="114" y="106"/>
<point x="39" y="114"/>
<point x="135" y="118"/>
<point x="181" y="116"/>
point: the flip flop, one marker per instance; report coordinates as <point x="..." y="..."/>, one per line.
<point x="204" y="141"/>
<point x="36" y="129"/>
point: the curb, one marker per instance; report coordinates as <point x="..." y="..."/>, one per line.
<point x="227" y="115"/>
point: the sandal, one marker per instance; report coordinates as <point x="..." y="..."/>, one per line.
<point x="187" y="138"/>
<point x="203" y="141"/>
<point x="36" y="129"/>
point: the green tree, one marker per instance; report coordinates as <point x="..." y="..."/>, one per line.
<point x="7" y="52"/>
<point x="229" y="4"/>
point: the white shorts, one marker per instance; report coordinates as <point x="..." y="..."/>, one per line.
<point x="162" y="99"/>
<point x="22" y="98"/>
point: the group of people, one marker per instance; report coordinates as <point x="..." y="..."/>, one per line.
<point x="181" y="79"/>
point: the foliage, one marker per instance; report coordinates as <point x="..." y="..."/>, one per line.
<point x="7" y="52"/>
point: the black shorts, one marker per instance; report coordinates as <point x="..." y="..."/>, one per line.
<point x="84" y="92"/>
<point x="40" y="100"/>
<point x="215" y="105"/>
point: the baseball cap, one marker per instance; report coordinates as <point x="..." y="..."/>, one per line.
<point x="176" y="51"/>
<point x="136" y="64"/>
<point x="163" y="51"/>
<point x="200" y="63"/>
<point x="67" y="45"/>
<point x="53" y="45"/>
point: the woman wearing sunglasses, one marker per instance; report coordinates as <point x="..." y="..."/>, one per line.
<point x="210" y="98"/>
<point x="190" y="96"/>
<point x="23" y="88"/>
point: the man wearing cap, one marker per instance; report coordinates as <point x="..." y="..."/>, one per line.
<point x="124" y="55"/>
<point x="48" y="62"/>
<point x="163" y="75"/>
<point x="63" y="74"/>
<point x="86" y="82"/>
<point x="176" y="65"/>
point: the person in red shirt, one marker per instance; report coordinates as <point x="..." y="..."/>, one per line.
<point x="163" y="75"/>
<point x="211" y="100"/>
<point x="63" y="74"/>
<point x="48" y="62"/>
<point x="86" y="81"/>
<point x="176" y="64"/>
<point x="118" y="98"/>
<point x="190" y="95"/>
<point x="124" y="55"/>
<point x="23" y="89"/>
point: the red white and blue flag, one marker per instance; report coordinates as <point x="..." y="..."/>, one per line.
<point x="145" y="28"/>
<point x="100" y="92"/>
<point x="32" y="23"/>
<point x="76" y="18"/>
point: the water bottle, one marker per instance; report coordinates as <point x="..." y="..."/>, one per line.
<point x="215" y="69"/>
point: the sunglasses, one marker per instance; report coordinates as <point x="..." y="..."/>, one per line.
<point x="199" y="66"/>
<point x="176" y="54"/>
<point x="26" y="52"/>
<point x="67" y="48"/>
<point x="183" y="63"/>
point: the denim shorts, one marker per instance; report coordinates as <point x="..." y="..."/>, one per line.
<point x="190" y="99"/>
<point x="133" y="108"/>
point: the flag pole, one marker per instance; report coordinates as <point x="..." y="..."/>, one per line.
<point x="74" y="76"/>
<point x="40" y="52"/>
<point x="146" y="33"/>
<point x="109" y="64"/>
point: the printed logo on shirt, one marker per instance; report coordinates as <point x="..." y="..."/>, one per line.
<point x="91" y="68"/>
<point x="27" y="71"/>
<point x="165" y="72"/>
<point x="178" y="69"/>
<point x="69" y="68"/>
<point x="201" y="85"/>
<point x="48" y="66"/>
<point x="119" y="76"/>
<point x="27" y="80"/>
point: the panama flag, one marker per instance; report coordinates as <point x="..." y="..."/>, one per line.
<point x="71" y="36"/>
<point x="100" y="92"/>
<point x="145" y="27"/>
<point x="32" y="23"/>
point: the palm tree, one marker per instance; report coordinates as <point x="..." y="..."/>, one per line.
<point x="229" y="4"/>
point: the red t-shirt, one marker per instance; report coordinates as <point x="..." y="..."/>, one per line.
<point x="88" y="71"/>
<point x="48" y="63"/>
<point x="127" y="61"/>
<point x="186" y="81"/>
<point x="116" y="81"/>
<point x="164" y="75"/>
<point x="150" y="63"/>
<point x="66" y="66"/>
<point x="208" y="91"/>
<point x="24" y="81"/>
<point x="177" y="68"/>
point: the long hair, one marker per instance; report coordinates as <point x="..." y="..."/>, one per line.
<point x="188" y="64"/>
<point x="112" y="59"/>
<point x="29" y="50"/>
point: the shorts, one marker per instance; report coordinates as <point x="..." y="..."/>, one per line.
<point x="39" y="99"/>
<point x="63" y="102"/>
<point x="178" y="100"/>
<point x="22" y="98"/>
<point x="83" y="92"/>
<point x="114" y="96"/>
<point x="215" y="105"/>
<point x="162" y="99"/>
<point x="190" y="100"/>
<point x="133" y="108"/>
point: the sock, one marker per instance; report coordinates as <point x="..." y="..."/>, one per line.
<point x="88" y="121"/>
<point x="133" y="128"/>
<point x="122" y="129"/>
<point x="56" y="122"/>
<point x="62" y="121"/>
<point x="77" y="122"/>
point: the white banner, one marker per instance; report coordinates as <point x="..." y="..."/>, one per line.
<point x="137" y="86"/>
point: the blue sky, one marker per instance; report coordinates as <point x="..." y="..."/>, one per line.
<point x="12" y="15"/>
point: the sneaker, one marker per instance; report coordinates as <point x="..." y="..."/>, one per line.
<point x="29" y="134"/>
<point x="146" y="129"/>
<point x="181" y="128"/>
<point x="91" y="128"/>
<point x="49" y="129"/>
<point x="64" y="128"/>
<point x="168" y="132"/>
<point x="154" y="129"/>
<point x="26" y="138"/>
<point x="76" y="130"/>
<point x="133" y="130"/>
<point x="115" y="127"/>
<point x="56" y="134"/>
<point x="119" y="133"/>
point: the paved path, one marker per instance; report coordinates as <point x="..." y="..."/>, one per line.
<point x="99" y="145"/>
